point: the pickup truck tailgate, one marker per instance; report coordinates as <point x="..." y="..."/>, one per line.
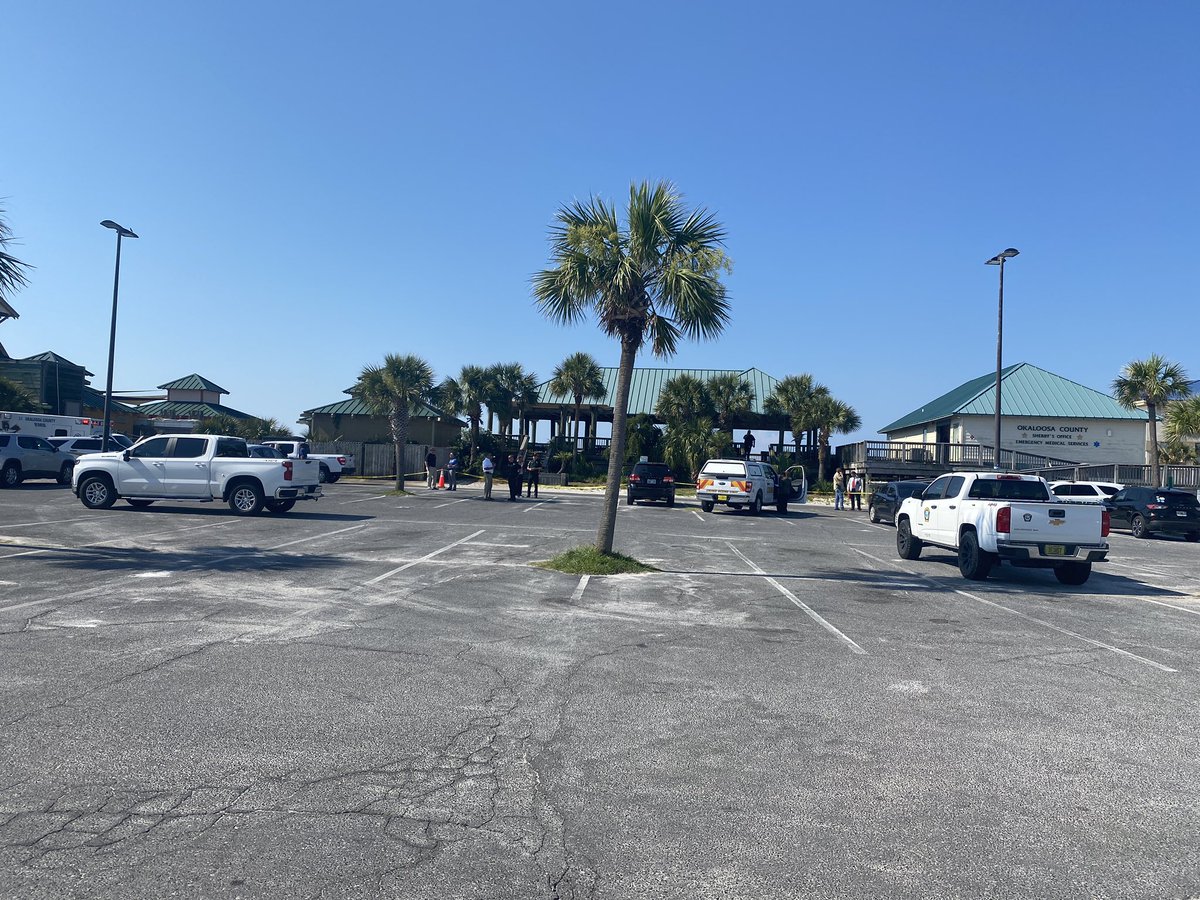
<point x="1050" y="530"/>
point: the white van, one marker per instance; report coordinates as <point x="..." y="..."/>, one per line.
<point x="49" y="426"/>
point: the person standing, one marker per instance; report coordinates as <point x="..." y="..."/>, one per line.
<point x="533" y="474"/>
<point x="431" y="470"/>
<point x="452" y="472"/>
<point x="513" y="473"/>
<point x="855" y="488"/>
<point x="839" y="489"/>
<point x="747" y="444"/>
<point x="489" y="472"/>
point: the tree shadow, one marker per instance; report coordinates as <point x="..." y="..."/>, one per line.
<point x="219" y="558"/>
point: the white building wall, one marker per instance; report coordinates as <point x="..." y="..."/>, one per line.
<point x="1079" y="440"/>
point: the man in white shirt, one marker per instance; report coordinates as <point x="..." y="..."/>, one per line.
<point x="489" y="472"/>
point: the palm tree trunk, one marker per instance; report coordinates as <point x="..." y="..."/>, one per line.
<point x="474" y="438"/>
<point x="616" y="449"/>
<point x="575" y="445"/>
<point x="1155" y="474"/>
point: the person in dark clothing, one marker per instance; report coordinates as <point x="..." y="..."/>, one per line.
<point x="512" y="471"/>
<point x="747" y="445"/>
<point x="431" y="470"/>
<point x="533" y="472"/>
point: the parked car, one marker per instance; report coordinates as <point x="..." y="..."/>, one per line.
<point x="332" y="465"/>
<point x="650" y="481"/>
<point x="24" y="456"/>
<point x="885" y="501"/>
<point x="78" y="446"/>
<point x="1147" y="511"/>
<point x="739" y="483"/>
<point x="1084" y="491"/>
<point x="262" y="451"/>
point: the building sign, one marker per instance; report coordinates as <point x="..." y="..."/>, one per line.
<point x="1053" y="435"/>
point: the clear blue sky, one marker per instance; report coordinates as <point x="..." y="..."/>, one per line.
<point x="317" y="185"/>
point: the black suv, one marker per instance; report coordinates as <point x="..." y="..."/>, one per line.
<point x="1146" y="511"/>
<point x="651" y="481"/>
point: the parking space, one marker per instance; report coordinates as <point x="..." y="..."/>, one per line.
<point x="198" y="701"/>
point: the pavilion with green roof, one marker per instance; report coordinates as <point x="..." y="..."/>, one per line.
<point x="191" y="397"/>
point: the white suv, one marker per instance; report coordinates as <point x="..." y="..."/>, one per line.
<point x="739" y="482"/>
<point x="29" y="456"/>
<point x="1084" y="491"/>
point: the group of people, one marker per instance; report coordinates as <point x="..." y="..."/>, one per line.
<point x="848" y="483"/>
<point x="447" y="475"/>
<point x="524" y="469"/>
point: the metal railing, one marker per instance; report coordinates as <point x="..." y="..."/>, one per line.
<point x="914" y="453"/>
<point x="1185" y="477"/>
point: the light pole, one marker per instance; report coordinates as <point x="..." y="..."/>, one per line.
<point x="112" y="334"/>
<point x="998" y="260"/>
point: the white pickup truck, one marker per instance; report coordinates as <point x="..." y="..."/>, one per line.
<point x="333" y="465"/>
<point x="194" y="467"/>
<point x="987" y="517"/>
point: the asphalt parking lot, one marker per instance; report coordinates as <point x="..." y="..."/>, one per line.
<point x="377" y="696"/>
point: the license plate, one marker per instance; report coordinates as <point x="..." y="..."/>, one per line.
<point x="1056" y="550"/>
<point x="1181" y="512"/>
<point x="724" y="498"/>
<point x="651" y="481"/>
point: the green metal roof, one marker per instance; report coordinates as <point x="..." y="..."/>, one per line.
<point x="192" y="382"/>
<point x="353" y="406"/>
<point x="173" y="409"/>
<point x="94" y="399"/>
<point x="51" y="356"/>
<point x="648" y="383"/>
<point x="1027" y="391"/>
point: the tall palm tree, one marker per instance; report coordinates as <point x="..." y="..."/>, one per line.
<point x="510" y="392"/>
<point x="12" y="270"/>
<point x="1152" y="381"/>
<point x="658" y="278"/>
<point x="831" y="416"/>
<point x="732" y="396"/>
<point x="465" y="396"/>
<point x="391" y="390"/>
<point x="580" y="378"/>
<point x="795" y="396"/>
<point x="683" y="399"/>
<point x="1183" y="418"/>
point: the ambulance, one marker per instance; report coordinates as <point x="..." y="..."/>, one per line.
<point x="49" y="426"/>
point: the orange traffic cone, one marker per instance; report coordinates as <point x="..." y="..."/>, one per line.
<point x="441" y="479"/>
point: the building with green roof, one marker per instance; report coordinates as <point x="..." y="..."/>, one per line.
<point x="189" y="399"/>
<point x="1041" y="413"/>
<point x="352" y="420"/>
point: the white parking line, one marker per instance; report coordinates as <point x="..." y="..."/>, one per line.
<point x="427" y="556"/>
<point x="697" y="515"/>
<point x="489" y="544"/>
<point x="581" y="587"/>
<point x="535" y="506"/>
<point x="363" y="500"/>
<point x="51" y="522"/>
<point x="1026" y="616"/>
<point x="800" y="604"/>
<point x="452" y="502"/>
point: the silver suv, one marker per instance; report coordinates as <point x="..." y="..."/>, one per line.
<point x="25" y="456"/>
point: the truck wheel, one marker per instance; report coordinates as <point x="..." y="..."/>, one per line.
<point x="1073" y="572"/>
<point x="907" y="546"/>
<point x="96" y="492"/>
<point x="706" y="505"/>
<point x="64" y="474"/>
<point x="11" y="476"/>
<point x="756" y="506"/>
<point x="1138" y="527"/>
<point x="278" y="506"/>
<point x="331" y="478"/>
<point x="872" y="514"/>
<point x="975" y="564"/>
<point x="246" y="499"/>
<point x="138" y="503"/>
<point x="323" y="474"/>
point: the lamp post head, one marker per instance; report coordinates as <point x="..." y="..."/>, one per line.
<point x="999" y="258"/>
<point x="119" y="229"/>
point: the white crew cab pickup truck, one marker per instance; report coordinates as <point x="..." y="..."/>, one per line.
<point x="987" y="517"/>
<point x="332" y="465"/>
<point x="194" y="467"/>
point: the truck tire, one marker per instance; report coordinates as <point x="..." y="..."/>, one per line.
<point x="137" y="502"/>
<point x="706" y="505"/>
<point x="96" y="492"/>
<point x="907" y="546"/>
<point x="872" y="514"/>
<point x="323" y="474"/>
<point x="10" y="476"/>
<point x="65" y="473"/>
<point x="974" y="564"/>
<point x="246" y="498"/>
<point x="756" y="505"/>
<point x="1073" y="572"/>
<point x="1138" y="528"/>
<point x="278" y="506"/>
<point x="331" y="478"/>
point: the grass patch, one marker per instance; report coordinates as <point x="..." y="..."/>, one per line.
<point x="590" y="561"/>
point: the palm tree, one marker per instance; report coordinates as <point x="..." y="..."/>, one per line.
<point x="12" y="270"/>
<point x="15" y="398"/>
<point x="1152" y="381"/>
<point x="688" y="445"/>
<point x="685" y="399"/>
<point x="510" y="391"/>
<point x="658" y="278"/>
<point x="732" y="396"/>
<point x="831" y="416"/>
<point x="795" y="397"/>
<point x="391" y="390"/>
<point x="1183" y="418"/>
<point x="465" y="396"/>
<point x="580" y="378"/>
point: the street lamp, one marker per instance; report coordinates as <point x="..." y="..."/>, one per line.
<point x="998" y="260"/>
<point x="121" y="231"/>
